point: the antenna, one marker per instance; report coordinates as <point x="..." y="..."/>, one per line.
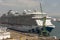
<point x="41" y="6"/>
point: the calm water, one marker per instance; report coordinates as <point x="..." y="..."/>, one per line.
<point x="56" y="31"/>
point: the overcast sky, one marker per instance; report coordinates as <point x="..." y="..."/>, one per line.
<point x="52" y="7"/>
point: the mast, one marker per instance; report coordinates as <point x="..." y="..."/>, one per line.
<point x="41" y="7"/>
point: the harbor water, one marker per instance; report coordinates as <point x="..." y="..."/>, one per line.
<point x="56" y="31"/>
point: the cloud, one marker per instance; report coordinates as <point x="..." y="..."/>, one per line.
<point x="28" y="3"/>
<point x="1" y="1"/>
<point x="7" y="3"/>
<point x="54" y="4"/>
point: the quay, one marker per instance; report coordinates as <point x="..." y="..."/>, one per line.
<point x="27" y="36"/>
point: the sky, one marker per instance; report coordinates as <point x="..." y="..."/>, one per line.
<point x="51" y="7"/>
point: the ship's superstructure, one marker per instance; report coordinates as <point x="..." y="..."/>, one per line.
<point x="28" y="21"/>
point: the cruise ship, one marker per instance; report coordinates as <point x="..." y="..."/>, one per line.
<point x="28" y="21"/>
